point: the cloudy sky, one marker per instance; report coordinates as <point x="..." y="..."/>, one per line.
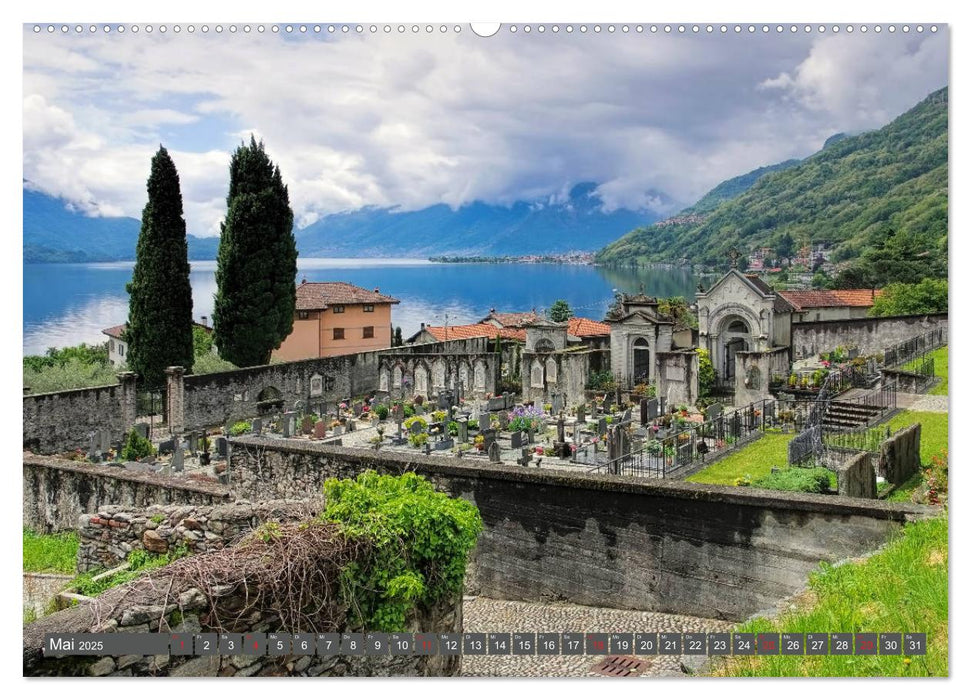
<point x="411" y="120"/>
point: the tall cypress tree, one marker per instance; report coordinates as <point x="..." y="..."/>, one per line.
<point x="159" y="332"/>
<point x="257" y="263"/>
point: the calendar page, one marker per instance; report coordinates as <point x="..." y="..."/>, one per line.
<point x="450" y="349"/>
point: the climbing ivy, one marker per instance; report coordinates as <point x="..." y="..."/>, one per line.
<point x="420" y="541"/>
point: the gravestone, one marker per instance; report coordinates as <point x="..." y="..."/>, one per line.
<point x="516" y="440"/>
<point x="94" y="446"/>
<point x="626" y="417"/>
<point x="494" y="452"/>
<point x="142" y="429"/>
<point x="617" y="396"/>
<point x="684" y="454"/>
<point x="653" y="409"/>
<point x="663" y="408"/>
<point x="221" y="445"/>
<point x="445" y="399"/>
<point x="526" y="458"/>
<point x="166" y="446"/>
<point x="581" y="413"/>
<point x="299" y="406"/>
<point x="463" y="430"/>
<point x="557" y="403"/>
<point x="601" y="426"/>
<point x="446" y="443"/>
<point x="178" y="459"/>
<point x="191" y="443"/>
<point x="320" y="429"/>
<point x="503" y="420"/>
<point x="713" y="411"/>
<point x="416" y="428"/>
<point x="488" y="437"/>
<point x="561" y="448"/>
<point x="530" y="434"/>
<point x="257" y="426"/>
<point x="643" y="407"/>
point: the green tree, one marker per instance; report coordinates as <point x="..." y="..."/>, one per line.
<point x="560" y="311"/>
<point x="257" y="261"/>
<point x="706" y="373"/>
<point x="929" y="296"/>
<point x="678" y="310"/>
<point x="786" y="247"/>
<point x="159" y="330"/>
<point x="201" y="341"/>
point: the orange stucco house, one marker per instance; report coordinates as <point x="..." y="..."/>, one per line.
<point x="337" y="318"/>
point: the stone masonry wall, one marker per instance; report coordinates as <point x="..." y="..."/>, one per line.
<point x="189" y="613"/>
<point x="855" y="477"/>
<point x="107" y="536"/>
<point x="610" y="541"/>
<point x="900" y="455"/>
<point x="61" y="421"/>
<point x="56" y="492"/>
<point x="870" y="335"/>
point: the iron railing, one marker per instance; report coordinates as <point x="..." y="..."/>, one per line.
<point x="919" y="345"/>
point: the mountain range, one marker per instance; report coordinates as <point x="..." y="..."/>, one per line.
<point x="56" y="232"/>
<point x="878" y="199"/>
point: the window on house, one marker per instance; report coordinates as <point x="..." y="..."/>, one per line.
<point x="339" y="309"/>
<point x="121" y="349"/>
<point x="303" y="315"/>
<point x="111" y="345"/>
<point x="368" y="331"/>
<point x="338" y="334"/>
<point x="368" y="308"/>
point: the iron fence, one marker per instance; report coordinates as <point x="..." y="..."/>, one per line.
<point x="671" y="451"/>
<point x="919" y="345"/>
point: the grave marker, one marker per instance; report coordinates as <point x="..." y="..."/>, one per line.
<point x="257" y="426"/>
<point x="494" y="452"/>
<point x="178" y="459"/>
<point x="463" y="430"/>
<point x="516" y="440"/>
<point x="142" y="429"/>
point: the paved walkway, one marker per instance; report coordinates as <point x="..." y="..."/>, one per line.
<point x="490" y="615"/>
<point x="922" y="402"/>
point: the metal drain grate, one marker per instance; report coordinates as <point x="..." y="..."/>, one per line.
<point x="620" y="666"/>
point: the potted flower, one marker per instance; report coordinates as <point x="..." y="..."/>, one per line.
<point x="479" y="442"/>
<point x="669" y="455"/>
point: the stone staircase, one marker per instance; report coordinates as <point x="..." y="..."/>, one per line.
<point x="847" y="415"/>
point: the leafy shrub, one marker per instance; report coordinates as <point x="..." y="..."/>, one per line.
<point x="136" y="447"/>
<point x="418" y="439"/>
<point x="409" y="410"/>
<point x="408" y="422"/>
<point x="421" y="540"/>
<point x="473" y="424"/>
<point x="814" y="480"/>
<point x="382" y="411"/>
<point x="603" y="381"/>
<point x="241" y="427"/>
<point x="453" y="428"/>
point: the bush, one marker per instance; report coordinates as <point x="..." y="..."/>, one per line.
<point x="382" y="411"/>
<point x="408" y="422"/>
<point x="418" y="439"/>
<point x="795" y="479"/>
<point x="136" y="447"/>
<point x="409" y="410"/>
<point x="55" y="553"/>
<point x="603" y="381"/>
<point x="453" y="428"/>
<point x="421" y="541"/>
<point x="473" y="424"/>
<point x="240" y="428"/>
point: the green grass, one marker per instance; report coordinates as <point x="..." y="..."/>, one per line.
<point x="933" y="431"/>
<point x="940" y="370"/>
<point x="753" y="461"/>
<point x="55" y="554"/>
<point x="902" y="588"/>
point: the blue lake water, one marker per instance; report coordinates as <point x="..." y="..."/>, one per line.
<point x="66" y="304"/>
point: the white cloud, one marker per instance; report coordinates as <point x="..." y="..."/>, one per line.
<point x="410" y="121"/>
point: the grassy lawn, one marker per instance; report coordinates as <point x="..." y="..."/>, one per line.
<point x="902" y="588"/>
<point x="755" y="461"/>
<point x="940" y="370"/>
<point x="933" y="431"/>
<point x="50" y="553"/>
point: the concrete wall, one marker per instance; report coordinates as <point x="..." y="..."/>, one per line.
<point x="900" y="455"/>
<point x="56" y="492"/>
<point x="754" y="371"/>
<point x="609" y="541"/>
<point x="559" y="372"/>
<point x="677" y="376"/>
<point x="855" y="477"/>
<point x="870" y="335"/>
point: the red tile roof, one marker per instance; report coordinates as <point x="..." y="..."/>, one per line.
<point x="316" y="296"/>
<point x="515" y="319"/>
<point x="819" y="298"/>
<point x="584" y="327"/>
<point x="475" y="330"/>
<point x="116" y="331"/>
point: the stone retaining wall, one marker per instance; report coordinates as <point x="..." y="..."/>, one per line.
<point x="900" y="455"/>
<point x="107" y="536"/>
<point x="56" y="492"/>
<point x="608" y="541"/>
<point x="869" y="335"/>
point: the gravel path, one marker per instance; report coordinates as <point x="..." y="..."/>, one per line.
<point x="922" y="402"/>
<point x="489" y="615"/>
